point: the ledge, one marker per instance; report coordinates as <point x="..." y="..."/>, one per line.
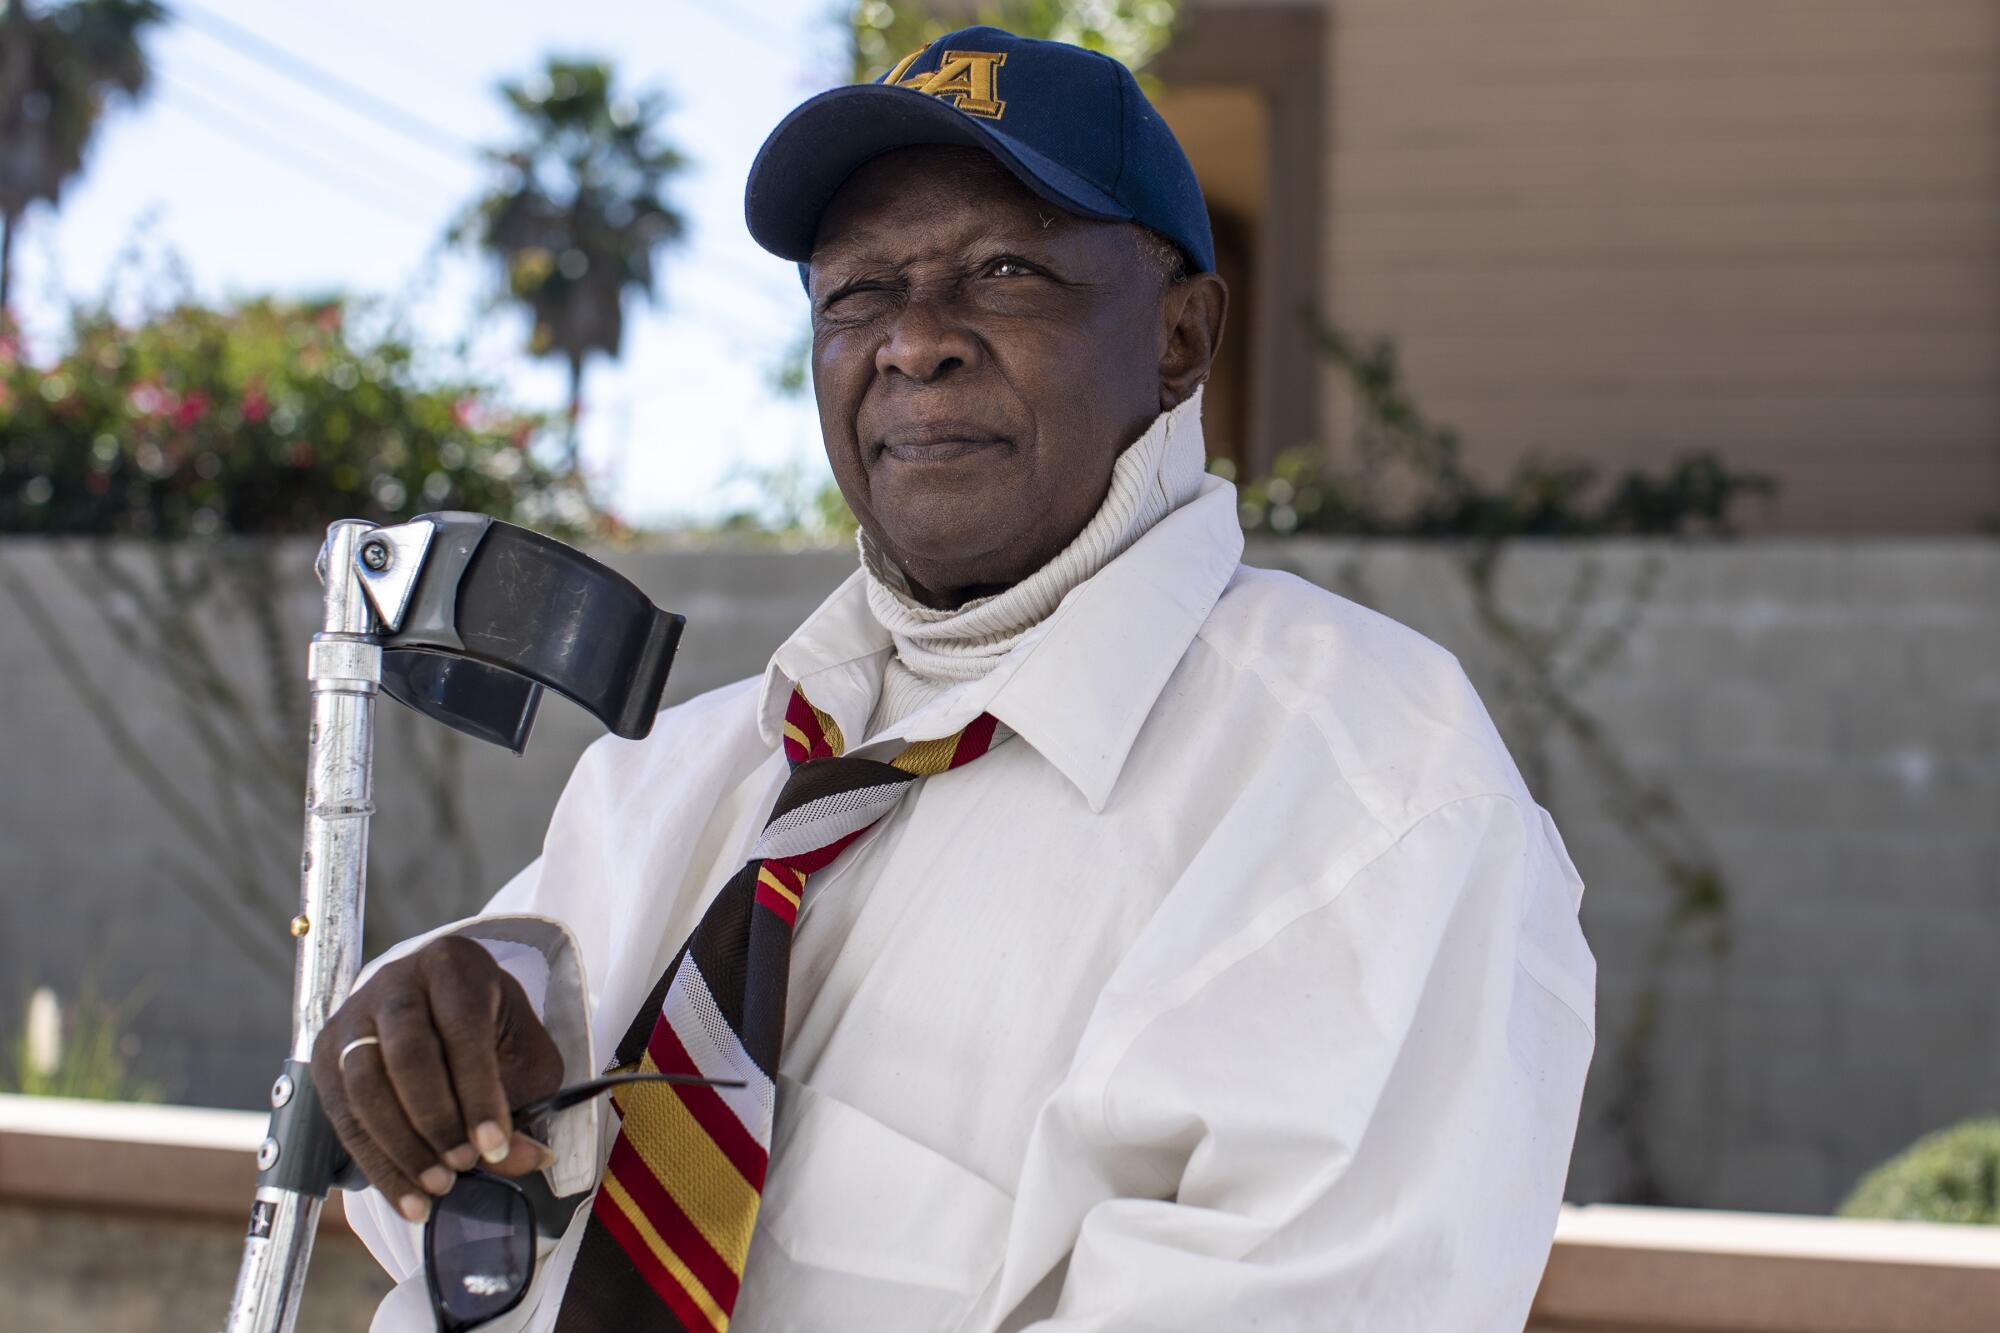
<point x="1660" y="1270"/>
<point x="186" y="1160"/>
<point x="1613" y="1269"/>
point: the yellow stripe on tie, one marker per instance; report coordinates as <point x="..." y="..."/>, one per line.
<point x="927" y="757"/>
<point x="792" y="733"/>
<point x="664" y="1253"/>
<point x="691" y="1167"/>
<point x="831" y="728"/>
<point x="765" y="877"/>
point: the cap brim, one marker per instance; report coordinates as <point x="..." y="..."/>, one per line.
<point x="816" y="148"/>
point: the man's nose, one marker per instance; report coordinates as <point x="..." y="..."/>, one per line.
<point x="926" y="343"/>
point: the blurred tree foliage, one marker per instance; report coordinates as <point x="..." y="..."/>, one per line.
<point x="792" y="502"/>
<point x="57" y="71"/>
<point x="261" y="417"/>
<point x="1950" y="1176"/>
<point x="1405" y="475"/>
<point x="579" y="214"/>
<point x="1130" y="31"/>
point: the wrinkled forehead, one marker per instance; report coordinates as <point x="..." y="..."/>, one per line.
<point x="939" y="193"/>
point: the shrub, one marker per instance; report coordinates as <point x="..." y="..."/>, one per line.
<point x="260" y="417"/>
<point x="1950" y="1176"/>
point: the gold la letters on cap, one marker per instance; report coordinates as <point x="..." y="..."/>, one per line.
<point x="969" y="80"/>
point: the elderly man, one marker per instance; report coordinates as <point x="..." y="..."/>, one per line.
<point x="1103" y="934"/>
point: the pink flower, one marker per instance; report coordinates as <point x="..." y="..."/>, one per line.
<point x="255" y="405"/>
<point x="191" y="409"/>
<point x="148" y="398"/>
<point x="464" y="412"/>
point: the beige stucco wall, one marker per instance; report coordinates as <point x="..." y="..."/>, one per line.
<point x="1618" y="230"/>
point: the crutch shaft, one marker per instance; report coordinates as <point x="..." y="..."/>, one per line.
<point x="345" y="671"/>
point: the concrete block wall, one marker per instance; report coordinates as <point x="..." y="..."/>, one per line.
<point x="1820" y="720"/>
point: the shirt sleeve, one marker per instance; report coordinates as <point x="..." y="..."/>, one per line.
<point x="1365" y="1121"/>
<point x="541" y="954"/>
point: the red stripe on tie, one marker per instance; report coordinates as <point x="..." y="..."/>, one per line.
<point x="800" y="714"/>
<point x="807" y="862"/>
<point x="974" y="740"/>
<point x="664" y="1285"/>
<point x="675" y="1228"/>
<point x="713" y="1114"/>
<point x="777" y="902"/>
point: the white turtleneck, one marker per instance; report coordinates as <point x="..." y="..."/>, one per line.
<point x="937" y="649"/>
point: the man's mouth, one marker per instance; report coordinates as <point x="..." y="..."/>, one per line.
<point x="939" y="444"/>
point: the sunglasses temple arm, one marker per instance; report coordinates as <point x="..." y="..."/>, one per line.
<point x="564" y="1098"/>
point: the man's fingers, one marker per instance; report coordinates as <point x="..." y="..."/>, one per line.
<point x="467" y="1020"/>
<point x="413" y="1056"/>
<point x="523" y="1155"/>
<point x="374" y="1164"/>
<point x="373" y="1102"/>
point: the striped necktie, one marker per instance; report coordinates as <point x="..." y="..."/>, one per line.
<point x="670" y="1226"/>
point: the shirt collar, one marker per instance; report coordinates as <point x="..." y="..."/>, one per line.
<point x="1077" y="688"/>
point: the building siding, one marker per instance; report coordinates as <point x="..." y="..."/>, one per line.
<point x="1621" y="230"/>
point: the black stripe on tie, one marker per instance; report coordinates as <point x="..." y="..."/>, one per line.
<point x="762" y="1025"/>
<point x="815" y="778"/>
<point x="607" y="1291"/>
<point x="720" y="945"/>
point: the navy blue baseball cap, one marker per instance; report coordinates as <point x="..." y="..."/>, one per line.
<point x="1073" y="125"/>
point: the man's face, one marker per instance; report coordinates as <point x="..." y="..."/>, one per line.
<point x="980" y="359"/>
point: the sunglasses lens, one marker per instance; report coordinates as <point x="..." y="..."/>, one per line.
<point x="483" y="1248"/>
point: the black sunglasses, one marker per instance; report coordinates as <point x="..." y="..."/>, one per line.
<point x="480" y="1240"/>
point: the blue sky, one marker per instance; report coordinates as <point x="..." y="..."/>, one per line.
<point x="259" y="184"/>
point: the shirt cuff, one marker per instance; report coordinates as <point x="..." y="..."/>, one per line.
<point x="541" y="954"/>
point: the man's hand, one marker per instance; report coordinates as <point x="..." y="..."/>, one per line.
<point x="457" y="1044"/>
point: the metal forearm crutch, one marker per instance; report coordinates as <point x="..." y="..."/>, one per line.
<point x="464" y="619"/>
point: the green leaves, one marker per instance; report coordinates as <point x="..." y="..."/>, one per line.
<point x="1950" y="1176"/>
<point x="1403" y="474"/>
<point x="260" y="417"/>
<point x="1130" y="31"/>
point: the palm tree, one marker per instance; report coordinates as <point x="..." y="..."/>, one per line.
<point x="579" y="213"/>
<point x="56" y="73"/>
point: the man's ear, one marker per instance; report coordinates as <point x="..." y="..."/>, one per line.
<point x="1192" y="311"/>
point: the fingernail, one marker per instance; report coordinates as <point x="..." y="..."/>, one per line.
<point x="415" y="1207"/>
<point x="461" y="1158"/>
<point x="545" y="1156"/>
<point x="492" y="1141"/>
<point x="435" y="1179"/>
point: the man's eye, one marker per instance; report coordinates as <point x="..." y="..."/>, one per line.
<point x="851" y="290"/>
<point x="1008" y="266"/>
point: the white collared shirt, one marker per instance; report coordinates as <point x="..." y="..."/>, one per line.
<point x="1242" y="988"/>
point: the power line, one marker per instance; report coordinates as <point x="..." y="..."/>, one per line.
<point x="325" y="83"/>
<point x="724" y="16"/>
<point x="311" y="132"/>
<point x="424" y="60"/>
<point x="277" y="147"/>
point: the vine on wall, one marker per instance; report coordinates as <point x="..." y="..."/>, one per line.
<point x="1403" y="475"/>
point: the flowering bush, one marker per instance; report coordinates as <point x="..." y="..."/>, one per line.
<point x="260" y="417"/>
